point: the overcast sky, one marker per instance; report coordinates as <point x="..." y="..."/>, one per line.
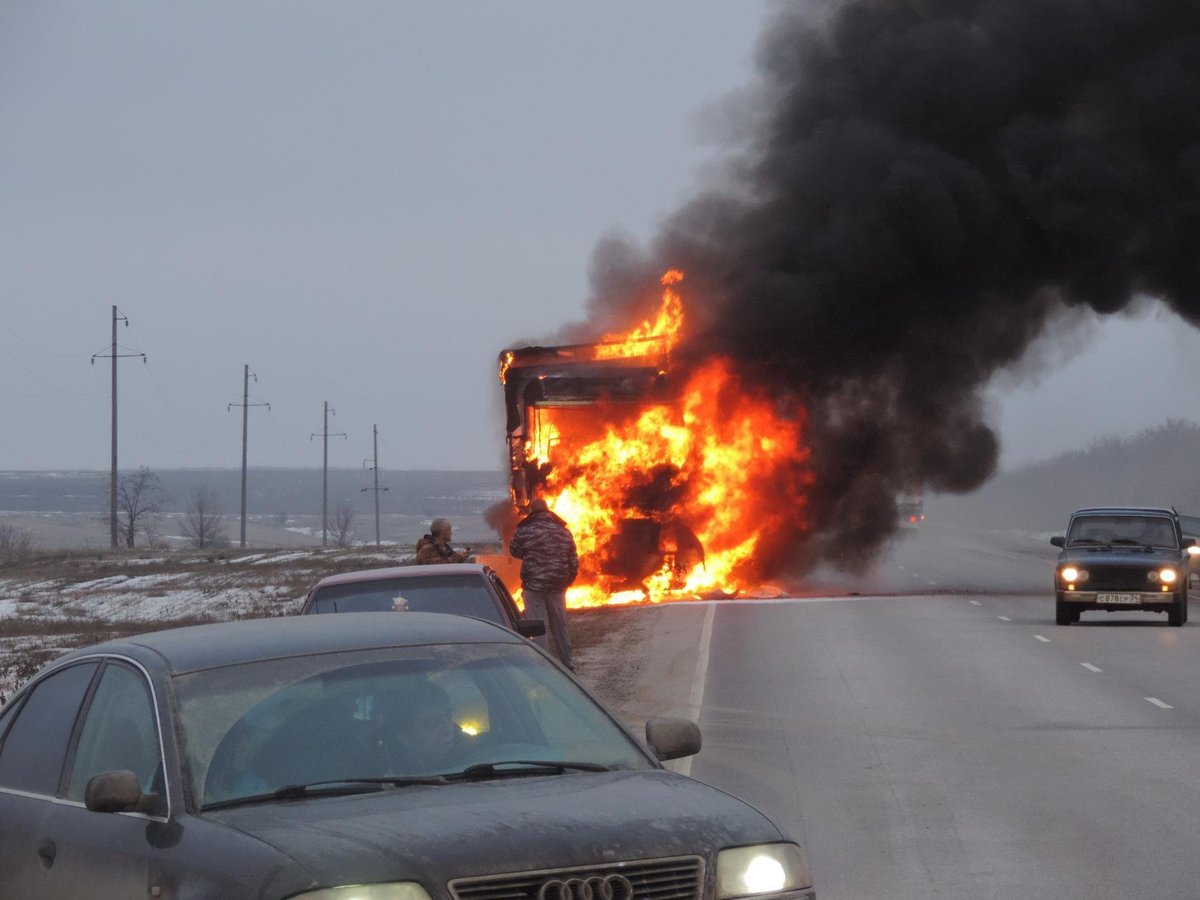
<point x="366" y="202"/>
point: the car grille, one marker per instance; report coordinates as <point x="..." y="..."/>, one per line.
<point x="678" y="878"/>
<point x="1118" y="578"/>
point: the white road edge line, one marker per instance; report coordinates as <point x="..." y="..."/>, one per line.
<point x="1091" y="668"/>
<point x="1042" y="638"/>
<point x="696" y="699"/>
<point x="1004" y="618"/>
<point x="1159" y="703"/>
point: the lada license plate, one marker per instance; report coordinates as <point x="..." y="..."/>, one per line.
<point x="1118" y="598"/>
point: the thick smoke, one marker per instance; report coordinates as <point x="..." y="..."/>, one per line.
<point x="926" y="185"/>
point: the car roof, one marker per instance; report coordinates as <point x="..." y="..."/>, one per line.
<point x="409" y="571"/>
<point x="198" y="647"/>
<point x="1121" y="510"/>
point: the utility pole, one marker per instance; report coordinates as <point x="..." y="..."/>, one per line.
<point x="114" y="353"/>
<point x="324" y="432"/>
<point x="374" y="467"/>
<point x="245" y="405"/>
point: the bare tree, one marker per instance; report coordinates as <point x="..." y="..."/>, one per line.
<point x="340" y="529"/>
<point x="16" y="544"/>
<point x="139" y="499"/>
<point x="203" y="523"/>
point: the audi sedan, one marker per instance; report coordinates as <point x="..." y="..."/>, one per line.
<point x="464" y="589"/>
<point x="366" y="757"/>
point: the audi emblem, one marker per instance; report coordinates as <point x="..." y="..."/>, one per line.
<point x="594" y="887"/>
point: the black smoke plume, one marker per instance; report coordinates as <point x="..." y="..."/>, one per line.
<point x="923" y="186"/>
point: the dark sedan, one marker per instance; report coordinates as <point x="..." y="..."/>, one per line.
<point x="463" y="589"/>
<point x="365" y="757"/>
<point x="1122" y="558"/>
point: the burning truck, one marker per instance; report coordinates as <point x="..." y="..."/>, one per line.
<point x="675" y="478"/>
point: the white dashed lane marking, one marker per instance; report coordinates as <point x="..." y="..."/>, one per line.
<point x="976" y="603"/>
<point x="1042" y="638"/>
<point x="1159" y="703"/>
<point x="1004" y="618"/>
<point x="1090" y="667"/>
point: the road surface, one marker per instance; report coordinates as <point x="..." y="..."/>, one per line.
<point x="954" y="744"/>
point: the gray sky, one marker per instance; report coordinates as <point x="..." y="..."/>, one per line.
<point x="366" y="202"/>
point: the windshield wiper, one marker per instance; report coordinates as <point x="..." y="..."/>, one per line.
<point x="1130" y="542"/>
<point x="335" y="787"/>
<point x="526" y="767"/>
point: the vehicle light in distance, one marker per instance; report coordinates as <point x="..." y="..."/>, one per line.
<point x="1166" y="576"/>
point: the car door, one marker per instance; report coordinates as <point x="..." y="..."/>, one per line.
<point x="33" y="749"/>
<point x="102" y="853"/>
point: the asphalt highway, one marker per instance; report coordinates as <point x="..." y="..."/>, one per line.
<point x="956" y="744"/>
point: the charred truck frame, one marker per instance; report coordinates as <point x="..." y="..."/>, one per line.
<point x="585" y="386"/>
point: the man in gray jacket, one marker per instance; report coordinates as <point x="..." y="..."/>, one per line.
<point x="549" y="564"/>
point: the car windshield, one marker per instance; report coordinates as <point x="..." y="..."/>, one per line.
<point x="386" y="715"/>
<point x="1150" y="531"/>
<point x="461" y="595"/>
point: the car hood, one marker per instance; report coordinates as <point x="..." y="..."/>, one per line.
<point x="1119" y="556"/>
<point x="433" y="834"/>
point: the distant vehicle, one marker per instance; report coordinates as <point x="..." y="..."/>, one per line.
<point x="910" y="509"/>
<point x="1122" y="558"/>
<point x="463" y="589"/>
<point x="366" y="757"/>
<point x="1190" y="525"/>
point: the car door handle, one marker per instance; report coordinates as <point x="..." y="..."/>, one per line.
<point x="46" y="853"/>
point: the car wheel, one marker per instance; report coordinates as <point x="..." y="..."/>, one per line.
<point x="1177" y="614"/>
<point x="1063" y="614"/>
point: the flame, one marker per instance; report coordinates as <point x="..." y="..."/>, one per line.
<point x="506" y="361"/>
<point x="664" y="330"/>
<point x="704" y="474"/>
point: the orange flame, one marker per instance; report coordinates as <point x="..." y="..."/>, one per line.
<point x="662" y="333"/>
<point x="707" y="475"/>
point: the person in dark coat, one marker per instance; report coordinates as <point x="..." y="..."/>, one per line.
<point x="549" y="564"/>
<point x="435" y="547"/>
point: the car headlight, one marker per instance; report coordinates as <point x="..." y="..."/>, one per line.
<point x="400" y="890"/>
<point x="761" y="869"/>
<point x="1168" y="576"/>
<point x="1073" y="574"/>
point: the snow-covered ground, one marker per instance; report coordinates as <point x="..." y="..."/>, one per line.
<point x="54" y="603"/>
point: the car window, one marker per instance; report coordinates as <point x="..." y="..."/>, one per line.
<point x="119" y="732"/>
<point x="462" y="595"/>
<point x="505" y="597"/>
<point x="1154" y="531"/>
<point x="36" y="744"/>
<point x="254" y="728"/>
<point x="6" y="719"/>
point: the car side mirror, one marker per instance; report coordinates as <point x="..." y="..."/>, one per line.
<point x="115" y="791"/>
<point x="673" y="738"/>
<point x="531" y="628"/>
<point x="1058" y="541"/>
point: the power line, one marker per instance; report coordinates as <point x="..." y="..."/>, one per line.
<point x="114" y="353"/>
<point x="245" y="405"/>
<point x="325" y="432"/>
<point x="374" y="467"/>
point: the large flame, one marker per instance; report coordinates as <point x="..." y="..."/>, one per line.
<point x="717" y="462"/>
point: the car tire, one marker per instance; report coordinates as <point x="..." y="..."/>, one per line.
<point x="1063" y="614"/>
<point x="1177" y="614"/>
